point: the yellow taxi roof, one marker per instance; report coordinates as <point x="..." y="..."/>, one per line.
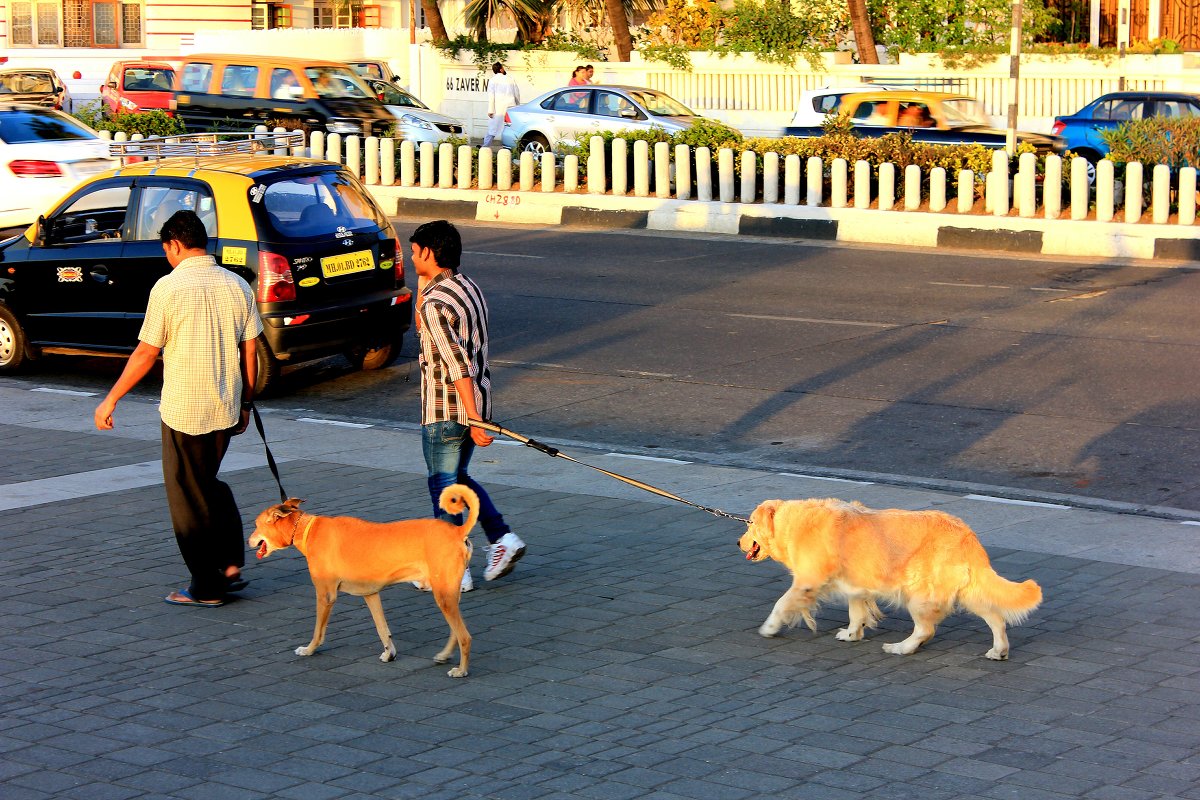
<point x="246" y="165"/>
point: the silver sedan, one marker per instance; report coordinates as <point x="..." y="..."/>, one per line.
<point x="415" y="121"/>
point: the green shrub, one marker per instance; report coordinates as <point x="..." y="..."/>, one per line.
<point x="154" y="122"/>
<point x="1174" y="141"/>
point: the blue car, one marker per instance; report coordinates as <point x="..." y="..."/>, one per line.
<point x="1082" y="130"/>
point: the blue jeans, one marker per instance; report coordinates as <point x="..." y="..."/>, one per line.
<point x="448" y="448"/>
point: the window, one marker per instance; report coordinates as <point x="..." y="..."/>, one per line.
<point x="196" y="77"/>
<point x="76" y="23"/>
<point x="570" y="101"/>
<point x="339" y="14"/>
<point x="239" y="80"/>
<point x="265" y="16"/>
<point x="159" y="203"/>
<point x="1120" y="110"/>
<point x="284" y="85"/>
<point x="93" y="217"/>
<point x="1175" y="108"/>
<point x="36" y="125"/>
<point x="609" y="104"/>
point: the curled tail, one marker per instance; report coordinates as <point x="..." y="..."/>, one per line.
<point x="1013" y="601"/>
<point x="458" y="498"/>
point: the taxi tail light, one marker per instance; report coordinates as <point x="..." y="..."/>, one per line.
<point x="399" y="262"/>
<point x="275" y="283"/>
<point x="27" y="168"/>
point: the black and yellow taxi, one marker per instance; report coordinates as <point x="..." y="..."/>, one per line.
<point x="319" y="252"/>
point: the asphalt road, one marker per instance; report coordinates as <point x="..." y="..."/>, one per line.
<point x="1040" y="378"/>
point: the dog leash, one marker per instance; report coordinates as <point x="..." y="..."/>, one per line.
<point x="270" y="458"/>
<point x="554" y="452"/>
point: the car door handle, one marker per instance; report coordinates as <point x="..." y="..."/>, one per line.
<point x="99" y="274"/>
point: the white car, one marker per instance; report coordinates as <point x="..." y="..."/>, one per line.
<point x="44" y="154"/>
<point x="415" y="121"/>
<point x="816" y="104"/>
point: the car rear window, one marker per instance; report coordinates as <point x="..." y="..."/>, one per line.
<point x="29" y="125"/>
<point x="316" y="205"/>
<point x="21" y="82"/>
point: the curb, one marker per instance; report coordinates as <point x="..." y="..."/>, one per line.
<point x="1033" y="236"/>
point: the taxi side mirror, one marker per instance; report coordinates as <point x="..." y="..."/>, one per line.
<point x="39" y="233"/>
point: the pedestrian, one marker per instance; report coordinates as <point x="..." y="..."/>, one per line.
<point x="577" y="77"/>
<point x="456" y="385"/>
<point x="203" y="320"/>
<point x="502" y="95"/>
<point x="588" y="73"/>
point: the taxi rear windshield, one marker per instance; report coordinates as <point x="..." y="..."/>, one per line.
<point x="316" y="205"/>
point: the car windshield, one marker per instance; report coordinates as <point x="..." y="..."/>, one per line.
<point x="337" y="82"/>
<point x="660" y="105"/>
<point x="23" y="82"/>
<point x="29" y="125"/>
<point x="317" y="205"/>
<point x="964" y="111"/>
<point x="148" y="79"/>
<point x="392" y="96"/>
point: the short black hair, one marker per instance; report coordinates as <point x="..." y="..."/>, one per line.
<point x="497" y="68"/>
<point x="186" y="228"/>
<point x="442" y="238"/>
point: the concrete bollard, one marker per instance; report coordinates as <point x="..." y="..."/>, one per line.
<point x="998" y="183"/>
<point x="966" y="191"/>
<point x="641" y="168"/>
<point x="486" y="168"/>
<point x="597" y="165"/>
<point x="504" y="166"/>
<point x="371" y="162"/>
<point x="280" y="148"/>
<point x="937" y="189"/>
<point x="703" y="174"/>
<point x="838" y="189"/>
<point x="791" y="180"/>
<point x="771" y="178"/>
<point x="300" y="150"/>
<point x="683" y="172"/>
<point x="465" y="166"/>
<point x="316" y="144"/>
<point x="862" y="184"/>
<point x="620" y="167"/>
<point x="428" y="157"/>
<point x="749" y="187"/>
<point x="354" y="156"/>
<point x="408" y="163"/>
<point x="1160" y="198"/>
<point x="1187" y="196"/>
<point x="887" y="186"/>
<point x="1106" y="191"/>
<point x="912" y="187"/>
<point x="445" y="165"/>
<point x="571" y="173"/>
<point x="1027" y="185"/>
<point x="526" y="171"/>
<point x="725" y="174"/>
<point x="662" y="169"/>
<point x="1080" y="191"/>
<point x="548" y="172"/>
<point x="816" y="181"/>
<point x="1133" y="191"/>
<point x="333" y="148"/>
<point x="1052" y="187"/>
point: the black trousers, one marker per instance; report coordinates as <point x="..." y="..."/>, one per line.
<point x="208" y="525"/>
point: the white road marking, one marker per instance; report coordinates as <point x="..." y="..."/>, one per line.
<point x="969" y="285"/>
<point x="526" y="364"/>
<point x="648" y="458"/>
<point x="814" y="320"/>
<point x="1190" y="522"/>
<point x="502" y="255"/>
<point x="1046" y="289"/>
<point x="989" y="499"/>
<point x="824" y="478"/>
<point x="335" y="422"/>
<point x="71" y="392"/>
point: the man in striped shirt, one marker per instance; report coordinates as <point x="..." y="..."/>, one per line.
<point x="456" y="386"/>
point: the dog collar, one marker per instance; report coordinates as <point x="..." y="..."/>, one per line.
<point x="296" y="526"/>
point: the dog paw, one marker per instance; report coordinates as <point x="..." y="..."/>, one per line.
<point x="305" y="651"/>
<point x="387" y="655"/>
<point x="997" y="655"/>
<point x="769" y="629"/>
<point x="899" y="649"/>
<point x="849" y="635"/>
<point x="441" y="658"/>
<point x="457" y="672"/>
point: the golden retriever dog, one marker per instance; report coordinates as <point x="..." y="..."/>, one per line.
<point x="928" y="561"/>
<point x="360" y="558"/>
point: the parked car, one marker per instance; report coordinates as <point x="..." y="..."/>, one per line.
<point x="375" y="70"/>
<point x="43" y="155"/>
<point x="321" y="255"/>
<point x="930" y="117"/>
<point x="415" y="121"/>
<point x="816" y="104"/>
<point x="567" y="116"/>
<point x="1082" y="130"/>
<point x="138" y="85"/>
<point x="238" y="92"/>
<point x="35" y="85"/>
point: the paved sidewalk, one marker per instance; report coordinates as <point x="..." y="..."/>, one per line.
<point x="619" y="660"/>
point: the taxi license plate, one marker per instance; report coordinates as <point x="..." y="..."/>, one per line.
<point x="334" y="266"/>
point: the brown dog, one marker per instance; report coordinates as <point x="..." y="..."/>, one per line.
<point x="928" y="561"/>
<point x="360" y="557"/>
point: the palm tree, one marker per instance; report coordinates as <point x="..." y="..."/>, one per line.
<point x="618" y="23"/>
<point x="433" y="16"/>
<point x="864" y="39"/>
<point x="529" y="16"/>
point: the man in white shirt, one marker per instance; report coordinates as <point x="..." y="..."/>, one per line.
<point x="502" y="95"/>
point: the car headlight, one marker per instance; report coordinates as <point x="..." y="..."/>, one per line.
<point x="416" y="122"/>
<point x="345" y="127"/>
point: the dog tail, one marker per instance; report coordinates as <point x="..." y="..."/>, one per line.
<point x="458" y="498"/>
<point x="1013" y="601"/>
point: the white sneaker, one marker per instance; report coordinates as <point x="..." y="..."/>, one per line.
<point x="503" y="556"/>
<point x="467" y="583"/>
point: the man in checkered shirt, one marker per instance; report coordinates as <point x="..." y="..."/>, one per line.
<point x="204" y="321"/>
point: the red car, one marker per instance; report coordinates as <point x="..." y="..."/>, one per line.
<point x="138" y="86"/>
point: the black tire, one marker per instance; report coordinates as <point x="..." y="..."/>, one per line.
<point x="367" y="357"/>
<point x="14" y="348"/>
<point x="1093" y="158"/>
<point x="269" y="368"/>
<point x="535" y="143"/>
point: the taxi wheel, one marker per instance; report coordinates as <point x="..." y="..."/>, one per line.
<point x="364" y="357"/>
<point x="269" y="368"/>
<point x="13" y="352"/>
